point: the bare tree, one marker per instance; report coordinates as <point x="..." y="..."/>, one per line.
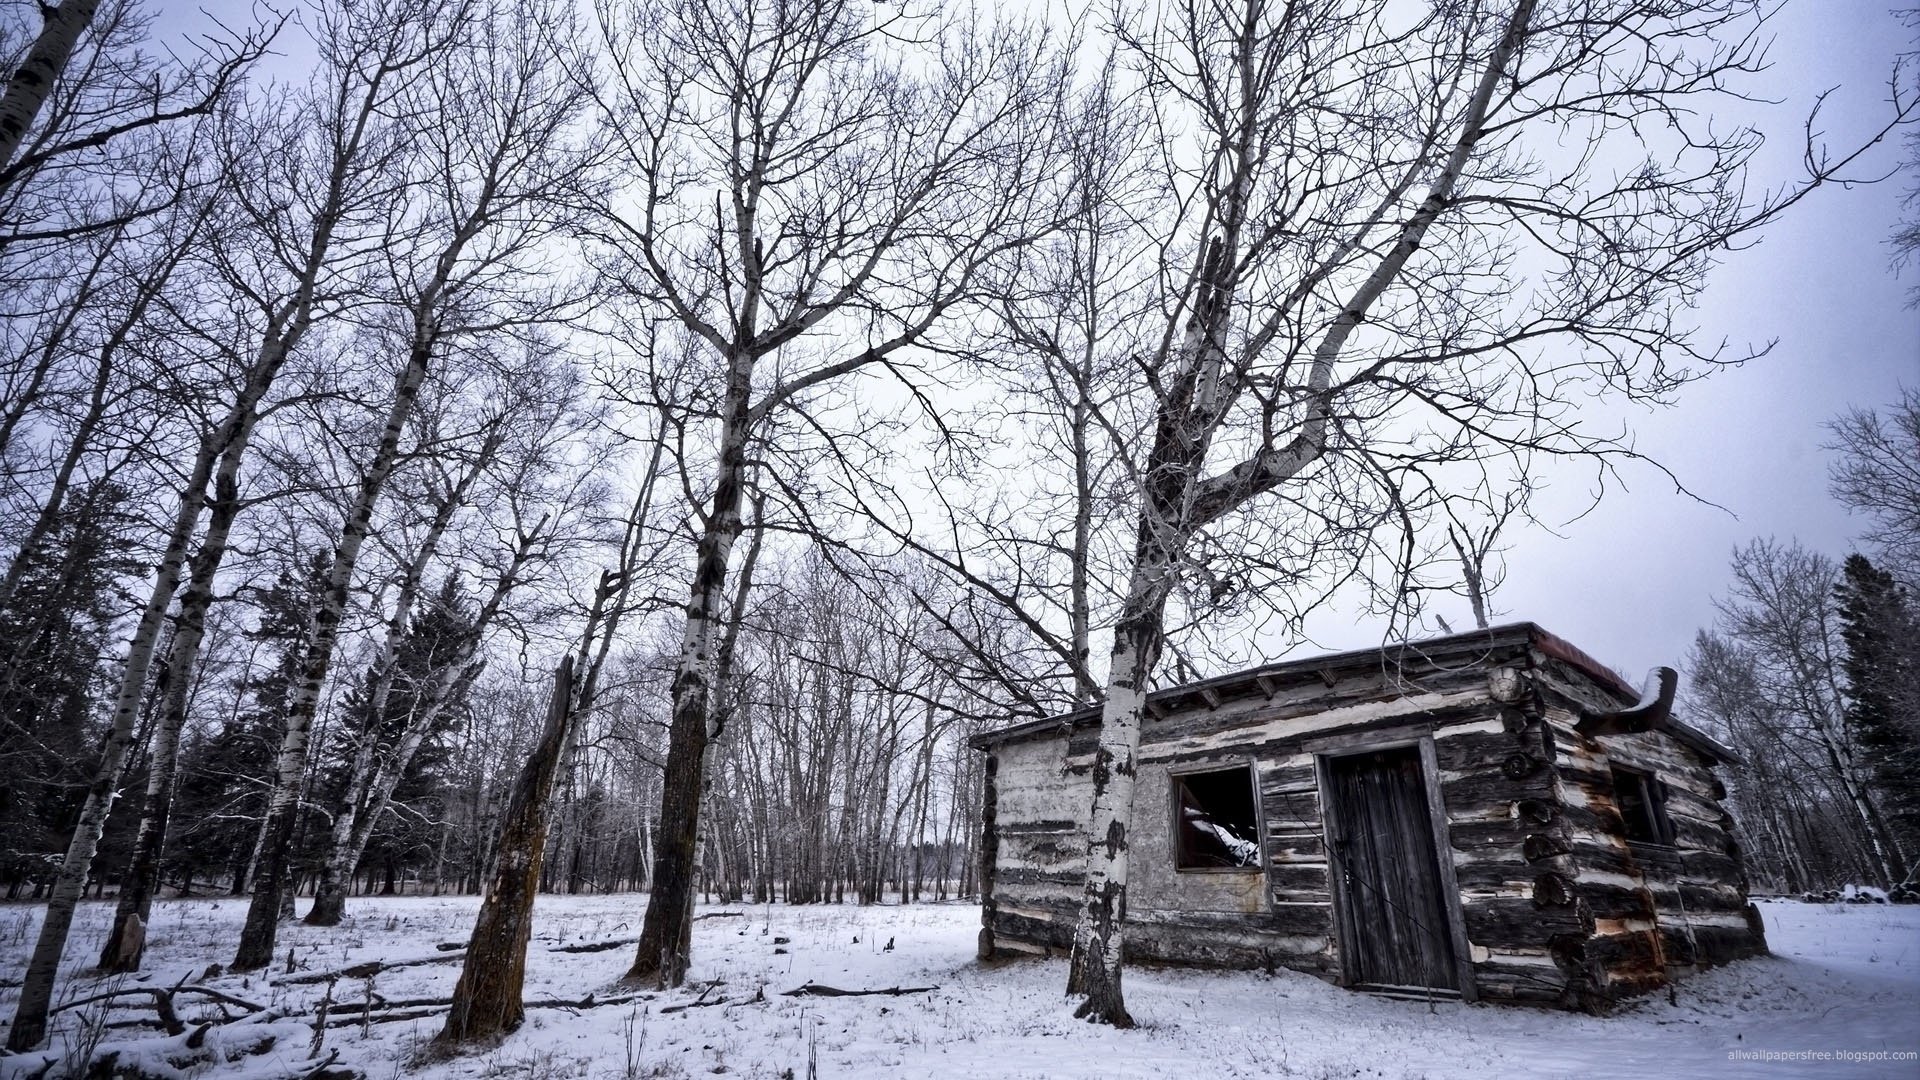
<point x="1773" y="676"/>
<point x="498" y="163"/>
<point x="1360" y="189"/>
<point x="33" y="80"/>
<point x="815" y="189"/>
<point x="1878" y="475"/>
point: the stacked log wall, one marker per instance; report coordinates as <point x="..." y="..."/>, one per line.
<point x="1656" y="912"/>
<point x="1496" y="785"/>
<point x="1557" y="908"/>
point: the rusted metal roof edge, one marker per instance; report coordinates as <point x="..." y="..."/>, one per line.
<point x="1685" y="733"/>
<point x="1493" y="637"/>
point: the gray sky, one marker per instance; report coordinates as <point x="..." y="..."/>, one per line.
<point x="1632" y="581"/>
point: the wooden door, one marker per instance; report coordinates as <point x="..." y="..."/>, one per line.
<point x="1396" y="928"/>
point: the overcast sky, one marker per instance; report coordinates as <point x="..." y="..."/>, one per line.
<point x="1631" y="582"/>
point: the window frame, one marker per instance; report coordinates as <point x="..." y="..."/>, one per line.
<point x="1652" y="797"/>
<point x="1177" y="778"/>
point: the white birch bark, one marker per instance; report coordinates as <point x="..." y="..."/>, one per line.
<point x="33" y="81"/>
<point x="342" y="854"/>
<point x="1176" y="502"/>
<point x="263" y="913"/>
<point x="226" y="444"/>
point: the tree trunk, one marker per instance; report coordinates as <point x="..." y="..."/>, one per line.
<point x="36" y="991"/>
<point x="365" y="798"/>
<point x="1097" y="949"/>
<point x="486" y="1000"/>
<point x="190" y="624"/>
<point x="33" y="81"/>
<point x="662" y="952"/>
<point x="263" y="912"/>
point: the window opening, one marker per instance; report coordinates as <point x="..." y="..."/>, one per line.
<point x="1216" y="827"/>
<point x="1642" y="803"/>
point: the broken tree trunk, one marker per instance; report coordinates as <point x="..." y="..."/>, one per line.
<point x="486" y="1000"/>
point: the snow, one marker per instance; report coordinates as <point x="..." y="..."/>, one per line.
<point x="1845" y="980"/>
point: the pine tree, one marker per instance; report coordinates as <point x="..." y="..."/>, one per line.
<point x="434" y="641"/>
<point x="1882" y="675"/>
<point x="52" y="636"/>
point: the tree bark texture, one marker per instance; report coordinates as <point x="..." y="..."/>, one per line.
<point x="662" y="952"/>
<point x="32" y="82"/>
<point x="142" y="878"/>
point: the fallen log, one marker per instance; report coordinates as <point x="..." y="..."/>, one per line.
<point x="595" y="946"/>
<point x="813" y="989"/>
<point x="369" y="968"/>
<point x="424" y="1008"/>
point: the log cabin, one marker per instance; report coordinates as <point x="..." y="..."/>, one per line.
<point x="1488" y="816"/>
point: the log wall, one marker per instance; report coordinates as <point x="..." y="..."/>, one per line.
<point x="1555" y="907"/>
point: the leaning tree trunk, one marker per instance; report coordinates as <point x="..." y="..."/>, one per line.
<point x="370" y="793"/>
<point x="123" y="948"/>
<point x="343" y="853"/>
<point x="662" y="951"/>
<point x="271" y="878"/>
<point x="486" y="1000"/>
<point x="32" y="82"/>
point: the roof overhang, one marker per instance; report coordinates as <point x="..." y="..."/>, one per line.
<point x="1267" y="679"/>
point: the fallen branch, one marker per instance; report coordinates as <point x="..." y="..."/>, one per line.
<point x="817" y="990"/>
<point x="167" y="1057"/>
<point x="163" y="1002"/>
<point x="423" y="1008"/>
<point x="371" y="967"/>
<point x="701" y="1002"/>
<point x="603" y="946"/>
<point x="595" y="946"/>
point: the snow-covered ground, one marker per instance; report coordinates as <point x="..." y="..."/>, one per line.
<point x="1845" y="980"/>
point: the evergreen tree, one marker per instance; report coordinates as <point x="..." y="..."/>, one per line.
<point x="52" y="636"/>
<point x="1881" y="670"/>
<point x="225" y="774"/>
<point x="406" y="835"/>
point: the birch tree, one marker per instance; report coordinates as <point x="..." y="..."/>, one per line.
<point x="492" y="163"/>
<point x="1877" y="475"/>
<point x="536" y="406"/>
<point x="814" y="189"/>
<point x="279" y="257"/>
<point x="1381" y="263"/>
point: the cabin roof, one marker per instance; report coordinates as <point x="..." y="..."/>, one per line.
<point x="1475" y="646"/>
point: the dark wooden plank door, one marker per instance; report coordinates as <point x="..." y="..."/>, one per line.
<point x="1395" y="928"/>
